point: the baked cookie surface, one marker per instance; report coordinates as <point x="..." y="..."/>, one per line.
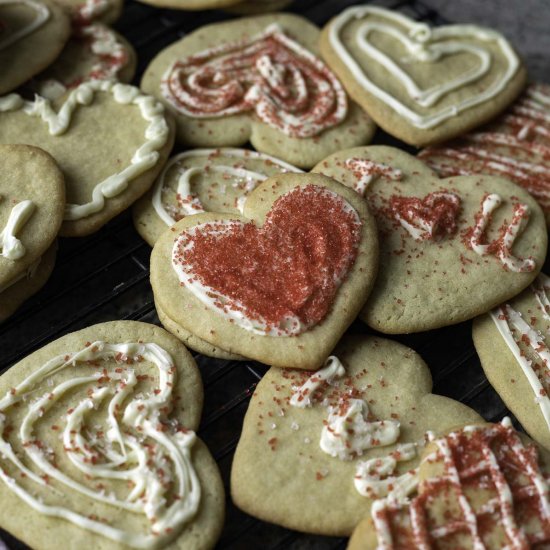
<point x="106" y="165"/>
<point x="421" y="84"/>
<point x="450" y="249"/>
<point x="203" y="180"/>
<point x="516" y="146"/>
<point x="325" y="445"/>
<point x="512" y="344"/>
<point x="482" y="486"/>
<point x="282" y="98"/>
<point x="33" y="35"/>
<point x="279" y="284"/>
<point x="106" y="455"/>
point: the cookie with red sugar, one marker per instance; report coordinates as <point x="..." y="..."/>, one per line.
<point x="258" y="80"/>
<point x="450" y="249"/>
<point x="481" y="486"/>
<point x="280" y="283"/>
<point x="325" y="445"/>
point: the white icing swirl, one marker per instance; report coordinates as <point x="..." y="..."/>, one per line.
<point x="145" y="157"/>
<point x="424" y="45"/>
<point x="188" y="201"/>
<point x="287" y="87"/>
<point x="501" y="247"/>
<point x="11" y="247"/>
<point x="138" y="444"/>
<point x="366" y="171"/>
<point x="42" y="15"/>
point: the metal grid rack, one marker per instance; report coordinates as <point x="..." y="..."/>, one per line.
<point x="106" y="277"/>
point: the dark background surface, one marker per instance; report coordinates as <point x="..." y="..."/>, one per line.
<point x="106" y="276"/>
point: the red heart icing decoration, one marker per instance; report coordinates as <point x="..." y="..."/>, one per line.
<point x="278" y="279"/>
<point x="428" y="218"/>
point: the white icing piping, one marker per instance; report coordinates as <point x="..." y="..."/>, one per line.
<point x="147" y="155"/>
<point x="11" y="247"/>
<point x="347" y="433"/>
<point x="189" y="201"/>
<point x="420" y="42"/>
<point x="268" y="95"/>
<point x="143" y="414"/>
<point x="507" y="238"/>
<point x="91" y="10"/>
<point x="42" y="15"/>
<point x="366" y="171"/>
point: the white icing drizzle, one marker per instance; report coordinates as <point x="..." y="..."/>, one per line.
<point x="91" y="10"/>
<point x="249" y="77"/>
<point x="215" y="300"/>
<point x="42" y="15"/>
<point x="502" y="245"/>
<point x="366" y="171"/>
<point x="419" y="227"/>
<point x="145" y="157"/>
<point x="487" y="466"/>
<point x="124" y="456"/>
<point x="11" y="247"/>
<point x="111" y="56"/>
<point x="424" y="45"/>
<point x="188" y="201"/>
<point x="331" y="371"/>
<point x="516" y="146"/>
<point x="347" y="434"/>
<point x="507" y="318"/>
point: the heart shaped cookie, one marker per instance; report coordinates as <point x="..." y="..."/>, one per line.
<point x="105" y="453"/>
<point x="421" y="84"/>
<point x="32" y="35"/>
<point x="106" y="165"/>
<point x="512" y="344"/>
<point x="257" y="80"/>
<point x="347" y="434"/>
<point x="94" y="52"/>
<point x="483" y="486"/>
<point x="279" y="286"/>
<point x="516" y="146"/>
<point x="32" y="200"/>
<point x="203" y="180"/>
<point x="482" y="240"/>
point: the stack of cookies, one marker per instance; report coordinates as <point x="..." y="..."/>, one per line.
<point x="275" y="226"/>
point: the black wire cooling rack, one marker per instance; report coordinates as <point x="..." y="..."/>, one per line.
<point x="105" y="277"/>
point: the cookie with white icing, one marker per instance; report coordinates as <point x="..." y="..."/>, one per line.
<point x="88" y="11"/>
<point x="512" y="344"/>
<point x="421" y="84"/>
<point x="94" y="51"/>
<point x="107" y="165"/>
<point x="450" y="249"/>
<point x="325" y="445"/>
<point x="484" y="486"/>
<point x="280" y="283"/>
<point x="194" y="342"/>
<point x="283" y="98"/>
<point x="203" y="180"/>
<point x="32" y="200"/>
<point x="515" y="146"/>
<point x="105" y="454"/>
<point x="32" y="35"/>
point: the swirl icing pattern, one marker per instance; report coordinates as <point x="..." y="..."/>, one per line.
<point x="285" y="85"/>
<point x="423" y="45"/>
<point x="114" y="431"/>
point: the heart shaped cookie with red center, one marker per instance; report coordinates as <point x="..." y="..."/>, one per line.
<point x="325" y="445"/>
<point x="421" y="84"/>
<point x="280" y="285"/>
<point x="450" y="249"/>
